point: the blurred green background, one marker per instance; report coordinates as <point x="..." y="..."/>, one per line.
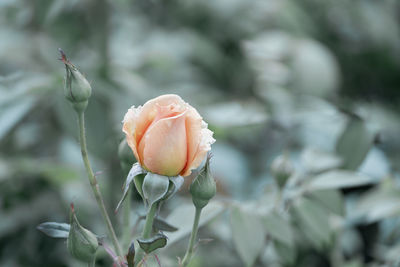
<point x="317" y="80"/>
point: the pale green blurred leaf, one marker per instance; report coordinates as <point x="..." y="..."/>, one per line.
<point x="163" y="225"/>
<point x="287" y="253"/>
<point x="378" y="203"/>
<point x="235" y="114"/>
<point x="339" y="179"/>
<point x="354" y="143"/>
<point x="278" y="227"/>
<point x="248" y="234"/>
<point x="316" y="160"/>
<point x="13" y="114"/>
<point x="313" y="221"/>
<point x="331" y="199"/>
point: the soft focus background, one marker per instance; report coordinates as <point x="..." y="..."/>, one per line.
<point x="316" y="80"/>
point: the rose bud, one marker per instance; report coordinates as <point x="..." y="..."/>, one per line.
<point x="167" y="135"/>
<point x="76" y="88"/>
<point x="281" y="169"/>
<point x="203" y="188"/>
<point x="81" y="243"/>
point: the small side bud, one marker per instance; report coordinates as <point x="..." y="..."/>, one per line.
<point x="76" y="88"/>
<point x="203" y="188"/>
<point x="281" y="169"/>
<point x="82" y="244"/>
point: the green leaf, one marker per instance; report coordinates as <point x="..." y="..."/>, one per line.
<point x="13" y="114"/>
<point x="55" y="230"/>
<point x="354" y="143"/>
<point x="153" y="243"/>
<point x="248" y="235"/>
<point x="354" y="263"/>
<point x="135" y="170"/>
<point x="313" y="221"/>
<point x="154" y="187"/>
<point x="339" y="179"/>
<point x="162" y="225"/>
<point x="287" y="254"/>
<point x="331" y="199"/>
<point x="316" y="161"/>
<point x="236" y="114"/>
<point x="377" y="204"/>
<point x="278" y="227"/>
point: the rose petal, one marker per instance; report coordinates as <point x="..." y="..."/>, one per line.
<point x="193" y="134"/>
<point x="129" y="127"/>
<point x="138" y="120"/>
<point x="164" y="146"/>
<point x="199" y="142"/>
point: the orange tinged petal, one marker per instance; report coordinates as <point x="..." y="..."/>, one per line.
<point x="204" y="145"/>
<point x="164" y="146"/>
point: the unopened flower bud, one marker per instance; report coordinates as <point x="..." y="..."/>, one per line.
<point x="82" y="244"/>
<point x="177" y="141"/>
<point x="203" y="188"/>
<point x="281" y="169"/>
<point x="76" y="88"/>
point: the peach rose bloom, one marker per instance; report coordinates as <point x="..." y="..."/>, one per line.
<point x="167" y="136"/>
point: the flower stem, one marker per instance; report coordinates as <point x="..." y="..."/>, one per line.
<point x="94" y="184"/>
<point x="148" y="226"/>
<point x="189" y="252"/>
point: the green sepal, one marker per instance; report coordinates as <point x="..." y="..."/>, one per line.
<point x="154" y="187"/>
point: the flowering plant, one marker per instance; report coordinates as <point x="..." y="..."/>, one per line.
<point x="169" y="139"/>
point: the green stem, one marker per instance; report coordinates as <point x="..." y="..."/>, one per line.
<point x="127" y="221"/>
<point x="94" y="184"/>
<point x="148" y="226"/>
<point x="189" y="252"/>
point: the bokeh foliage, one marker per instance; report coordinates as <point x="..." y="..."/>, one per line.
<point x="317" y="80"/>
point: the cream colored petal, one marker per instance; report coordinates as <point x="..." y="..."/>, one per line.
<point x="129" y="127"/>
<point x="164" y="146"/>
<point x="200" y="144"/>
<point x="193" y="134"/>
